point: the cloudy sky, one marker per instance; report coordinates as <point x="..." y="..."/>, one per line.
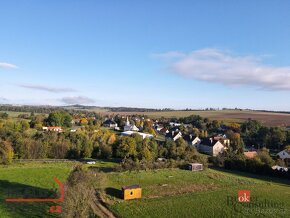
<point x="158" y="54"/>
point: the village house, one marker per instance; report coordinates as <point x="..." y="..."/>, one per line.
<point x="76" y="121"/>
<point x="158" y="127"/>
<point x="129" y="127"/>
<point x="173" y="124"/>
<point x="279" y="168"/>
<point x="163" y="131"/>
<point x="195" y="141"/>
<point x="175" y="128"/>
<point x="144" y="135"/>
<point x="222" y="138"/>
<point x="110" y="123"/>
<point x="285" y="155"/>
<point x="211" y="147"/>
<point x="52" y="128"/>
<point x="250" y="154"/>
<point x="195" y="166"/>
<point x="174" y="135"/>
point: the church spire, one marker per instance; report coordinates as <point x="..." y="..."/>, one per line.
<point x="127" y="122"/>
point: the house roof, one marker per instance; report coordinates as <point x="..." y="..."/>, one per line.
<point x="130" y="187"/>
<point x="209" y="142"/>
<point x="172" y="134"/>
<point x="54" y="127"/>
<point x="175" y="128"/>
<point x="250" y="154"/>
<point x="195" y="164"/>
<point x="188" y="138"/>
<point x="109" y="121"/>
<point x="163" y="130"/>
<point x="285" y="151"/>
<point x="219" y="137"/>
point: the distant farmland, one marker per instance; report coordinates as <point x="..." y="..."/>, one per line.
<point x="268" y="118"/>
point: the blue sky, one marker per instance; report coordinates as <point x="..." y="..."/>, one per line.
<point x="157" y="54"/>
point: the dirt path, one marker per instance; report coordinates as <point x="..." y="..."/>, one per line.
<point x="100" y="209"/>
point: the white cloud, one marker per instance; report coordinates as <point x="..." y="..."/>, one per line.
<point x="47" y="88"/>
<point x="219" y="66"/>
<point x="3" y="100"/>
<point x="169" y="55"/>
<point x="77" y="100"/>
<point x="8" y="66"/>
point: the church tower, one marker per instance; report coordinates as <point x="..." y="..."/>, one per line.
<point x="127" y="122"/>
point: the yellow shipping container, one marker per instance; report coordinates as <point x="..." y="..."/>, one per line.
<point x="131" y="192"/>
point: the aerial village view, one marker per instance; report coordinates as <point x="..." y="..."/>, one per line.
<point x="124" y="109"/>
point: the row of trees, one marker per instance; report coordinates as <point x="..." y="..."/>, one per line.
<point x="254" y="133"/>
<point x="261" y="164"/>
<point x="19" y="140"/>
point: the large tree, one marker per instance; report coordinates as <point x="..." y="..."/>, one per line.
<point x="127" y="147"/>
<point x="6" y="152"/>
<point x="59" y="118"/>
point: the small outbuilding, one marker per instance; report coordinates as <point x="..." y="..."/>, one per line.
<point x="131" y="192"/>
<point x="195" y="166"/>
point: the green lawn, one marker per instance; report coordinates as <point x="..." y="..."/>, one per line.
<point x="30" y="180"/>
<point x="180" y="193"/>
<point x="102" y="165"/>
<point x="14" y="114"/>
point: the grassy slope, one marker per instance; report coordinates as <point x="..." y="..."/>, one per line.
<point x="34" y="177"/>
<point x="179" y="193"/>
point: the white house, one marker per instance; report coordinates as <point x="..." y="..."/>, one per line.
<point x="173" y="124"/>
<point x="195" y="141"/>
<point x="129" y="127"/>
<point x="211" y="147"/>
<point x="174" y="135"/>
<point x="276" y="167"/>
<point x="52" y="128"/>
<point x="144" y="135"/>
<point x="222" y="138"/>
<point x="285" y="154"/>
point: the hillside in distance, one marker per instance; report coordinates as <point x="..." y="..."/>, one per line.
<point x="269" y="118"/>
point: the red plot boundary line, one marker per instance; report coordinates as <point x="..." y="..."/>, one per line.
<point x="61" y="199"/>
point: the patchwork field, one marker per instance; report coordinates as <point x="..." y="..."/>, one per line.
<point x="268" y="118"/>
<point x="227" y="116"/>
<point x="211" y="193"/>
<point x="30" y="180"/>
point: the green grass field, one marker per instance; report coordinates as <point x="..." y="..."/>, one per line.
<point x="181" y="193"/>
<point x="30" y="180"/>
<point x="166" y="192"/>
<point x="14" y="114"/>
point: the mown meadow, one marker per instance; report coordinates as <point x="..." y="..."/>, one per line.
<point x="30" y="180"/>
<point x="211" y="193"/>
